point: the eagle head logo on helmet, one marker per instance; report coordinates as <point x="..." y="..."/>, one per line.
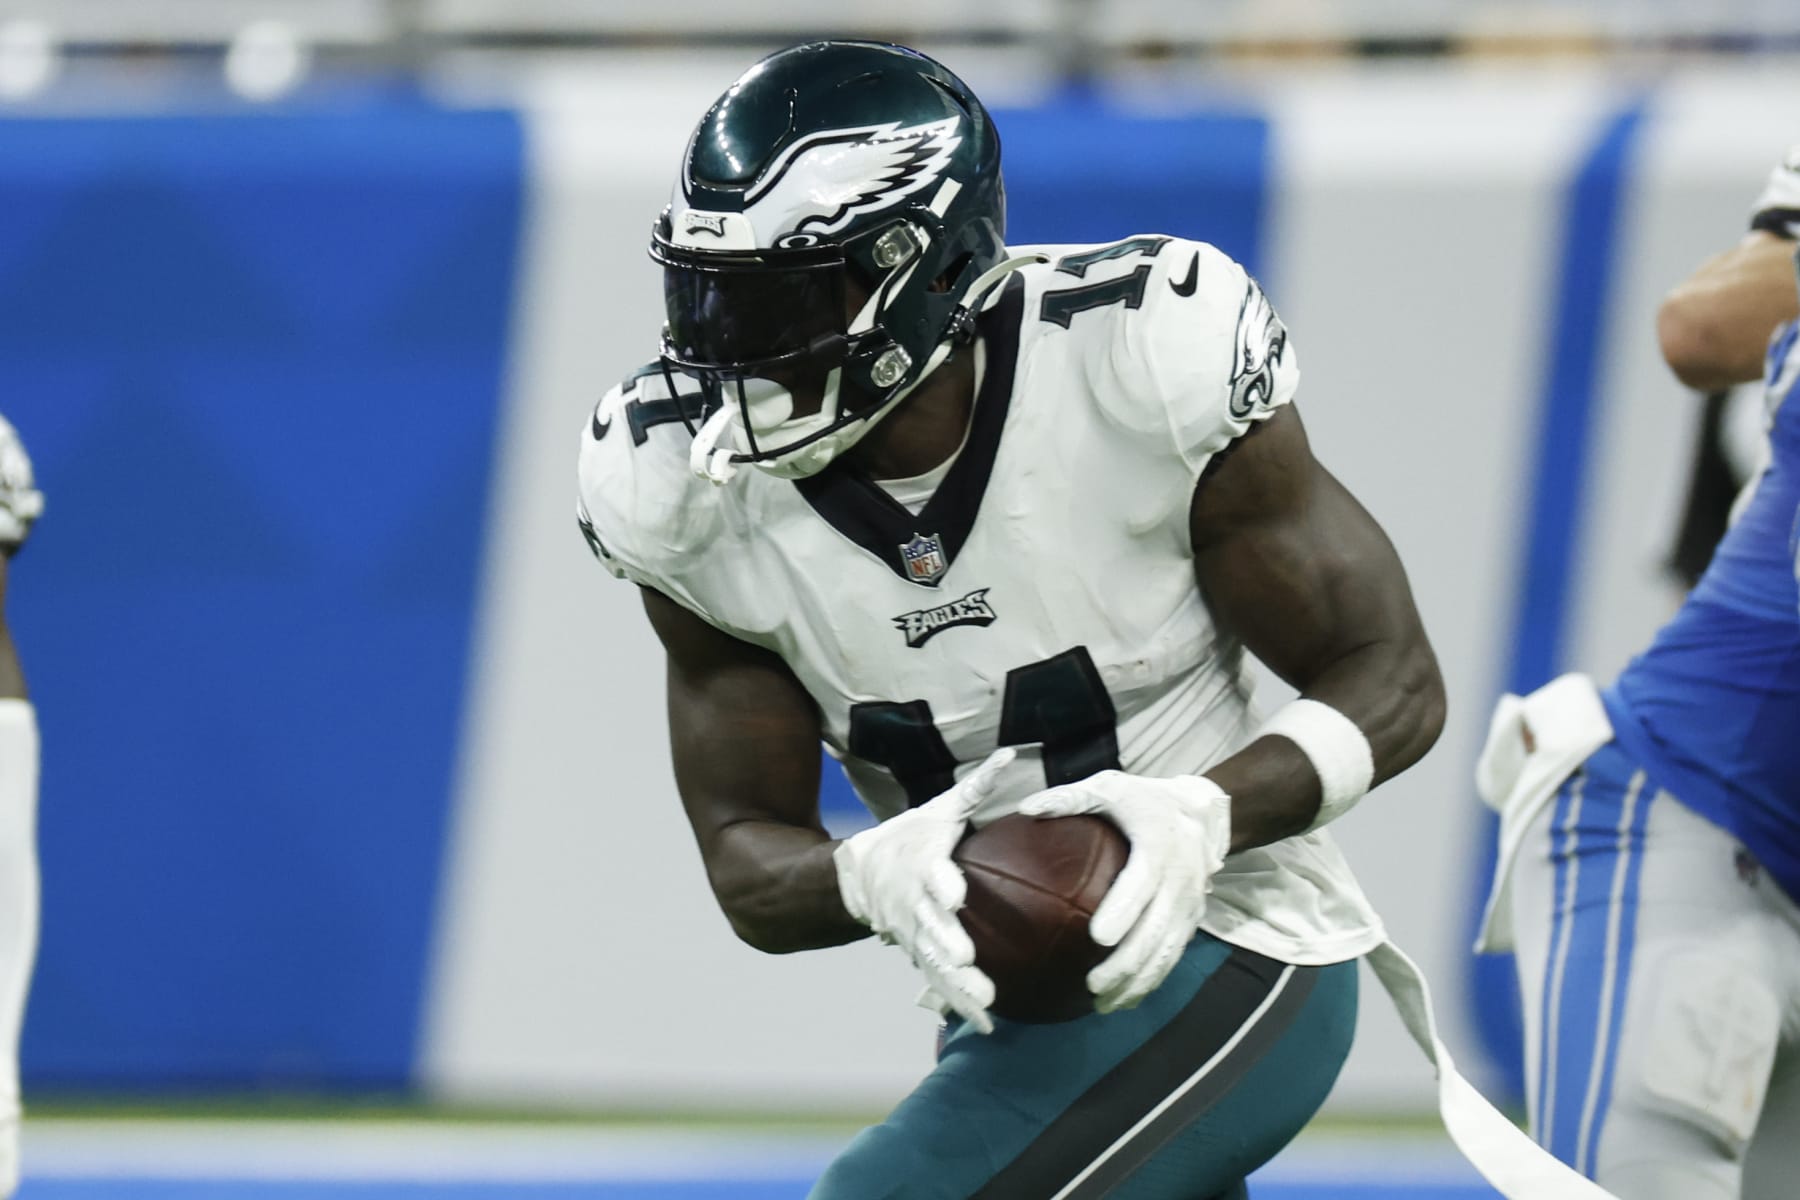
<point x="830" y="177"/>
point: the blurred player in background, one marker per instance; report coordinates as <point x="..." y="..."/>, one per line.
<point x="1652" y="832"/>
<point x="1728" y="300"/>
<point x="899" y="488"/>
<point x="20" y="504"/>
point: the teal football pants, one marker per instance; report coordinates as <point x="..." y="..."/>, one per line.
<point x="1177" y="1099"/>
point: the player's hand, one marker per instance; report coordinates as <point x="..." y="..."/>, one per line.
<point x="1179" y="831"/>
<point x="20" y="501"/>
<point x="899" y="880"/>
<point x="1776" y="208"/>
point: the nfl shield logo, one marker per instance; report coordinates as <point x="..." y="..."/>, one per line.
<point x="924" y="559"/>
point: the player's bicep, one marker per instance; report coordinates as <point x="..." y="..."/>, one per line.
<point x="1289" y="561"/>
<point x="743" y="732"/>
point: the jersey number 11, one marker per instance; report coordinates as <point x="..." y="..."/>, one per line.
<point x="1059" y="703"/>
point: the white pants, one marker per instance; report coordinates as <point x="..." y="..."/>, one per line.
<point x="1659" y="969"/>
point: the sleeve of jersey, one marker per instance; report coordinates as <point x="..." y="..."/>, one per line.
<point x="1205" y="356"/>
<point x="602" y="500"/>
<point x="1777" y="210"/>
<point x="630" y="502"/>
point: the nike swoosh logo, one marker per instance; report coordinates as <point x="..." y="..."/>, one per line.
<point x="1186" y="286"/>
<point x="599" y="429"/>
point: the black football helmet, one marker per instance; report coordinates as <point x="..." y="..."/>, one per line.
<point x="825" y="166"/>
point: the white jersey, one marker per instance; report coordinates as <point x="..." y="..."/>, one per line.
<point x="1044" y="596"/>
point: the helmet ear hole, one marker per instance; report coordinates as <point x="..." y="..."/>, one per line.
<point x="957" y="268"/>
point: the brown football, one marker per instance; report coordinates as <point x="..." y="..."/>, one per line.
<point x="1033" y="885"/>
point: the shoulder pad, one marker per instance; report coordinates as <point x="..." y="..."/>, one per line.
<point x="1181" y="344"/>
<point x="643" y="513"/>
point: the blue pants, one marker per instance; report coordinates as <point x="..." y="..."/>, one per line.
<point x="1177" y="1099"/>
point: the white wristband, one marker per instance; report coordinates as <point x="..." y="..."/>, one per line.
<point x="1337" y="750"/>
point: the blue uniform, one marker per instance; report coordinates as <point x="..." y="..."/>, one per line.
<point x="1655" y="889"/>
<point x="1712" y="709"/>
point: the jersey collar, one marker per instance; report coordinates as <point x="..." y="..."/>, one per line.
<point x="857" y="507"/>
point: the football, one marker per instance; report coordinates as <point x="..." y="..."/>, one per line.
<point x="1033" y="885"/>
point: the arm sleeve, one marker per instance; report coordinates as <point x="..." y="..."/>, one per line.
<point x="1215" y="360"/>
<point x="605" y="484"/>
<point x="646" y="517"/>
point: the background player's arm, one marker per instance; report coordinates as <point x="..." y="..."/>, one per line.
<point x="12" y="679"/>
<point x="745" y="737"/>
<point x="1290" y="563"/>
<point x="1714" y="326"/>
<point x="20" y="506"/>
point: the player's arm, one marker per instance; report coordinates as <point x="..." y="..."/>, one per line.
<point x="20" y="506"/>
<point x="745" y="738"/>
<point x="1291" y="564"/>
<point x="1714" y="326"/>
<point x="12" y="678"/>
<point x="746" y="741"/>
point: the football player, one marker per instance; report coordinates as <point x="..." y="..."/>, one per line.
<point x="20" y="505"/>
<point x="998" y="526"/>
<point x="1651" y="832"/>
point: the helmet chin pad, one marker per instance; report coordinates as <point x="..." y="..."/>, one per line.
<point x="765" y="425"/>
<point x="809" y="444"/>
<point x="766" y="406"/>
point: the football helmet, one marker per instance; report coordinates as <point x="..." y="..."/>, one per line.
<point x="829" y="173"/>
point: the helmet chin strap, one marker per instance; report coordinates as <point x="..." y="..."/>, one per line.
<point x="706" y="458"/>
<point x="976" y="294"/>
<point x="719" y="463"/>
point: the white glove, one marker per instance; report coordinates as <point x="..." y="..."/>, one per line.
<point x="1179" y="830"/>
<point x="899" y="880"/>
<point x="20" y="501"/>
<point x="1778" y="208"/>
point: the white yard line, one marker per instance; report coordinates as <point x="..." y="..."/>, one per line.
<point x="385" y="1150"/>
<point x="333" y="1150"/>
